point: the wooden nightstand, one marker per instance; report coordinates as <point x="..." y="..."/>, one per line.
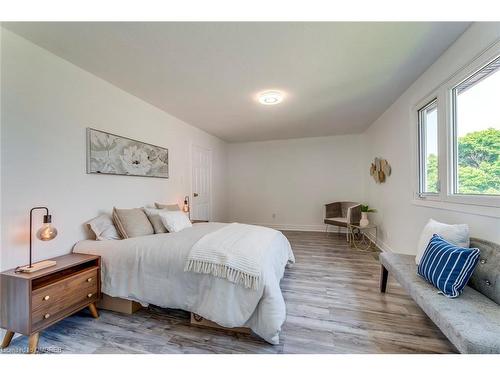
<point x="31" y="302"/>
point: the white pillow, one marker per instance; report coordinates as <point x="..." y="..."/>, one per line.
<point x="457" y="234"/>
<point x="175" y="221"/>
<point x="103" y="228"/>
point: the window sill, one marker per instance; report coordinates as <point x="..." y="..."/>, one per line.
<point x="459" y="207"/>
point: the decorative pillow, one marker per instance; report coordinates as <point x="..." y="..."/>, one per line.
<point x="457" y="234"/>
<point x="103" y="228"/>
<point x="446" y="266"/>
<point x="153" y="215"/>
<point x="169" y="207"/>
<point x="175" y="221"/>
<point x="132" y="222"/>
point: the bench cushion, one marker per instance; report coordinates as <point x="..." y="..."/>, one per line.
<point x="471" y="322"/>
<point x="486" y="276"/>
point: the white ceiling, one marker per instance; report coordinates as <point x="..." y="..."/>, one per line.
<point x="338" y="77"/>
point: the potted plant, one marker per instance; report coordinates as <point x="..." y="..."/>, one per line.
<point x="364" y="215"/>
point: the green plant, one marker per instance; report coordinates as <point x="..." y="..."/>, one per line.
<point x="478" y="164"/>
<point x="366" y="208"/>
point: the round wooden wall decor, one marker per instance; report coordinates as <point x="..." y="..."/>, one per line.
<point x="379" y="170"/>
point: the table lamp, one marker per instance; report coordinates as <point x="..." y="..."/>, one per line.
<point x="46" y="233"/>
<point x="185" y="208"/>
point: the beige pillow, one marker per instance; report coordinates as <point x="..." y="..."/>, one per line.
<point x="169" y="207"/>
<point x="132" y="222"/>
<point x="154" y="218"/>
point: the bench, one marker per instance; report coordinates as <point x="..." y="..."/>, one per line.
<point x="472" y="321"/>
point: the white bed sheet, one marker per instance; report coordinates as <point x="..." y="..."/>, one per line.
<point x="150" y="269"/>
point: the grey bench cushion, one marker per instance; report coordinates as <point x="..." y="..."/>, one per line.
<point x="471" y="322"/>
<point x="486" y="276"/>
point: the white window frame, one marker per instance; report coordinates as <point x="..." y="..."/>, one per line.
<point x="421" y="154"/>
<point x="487" y="205"/>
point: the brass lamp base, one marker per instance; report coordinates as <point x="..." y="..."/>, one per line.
<point x="37" y="266"/>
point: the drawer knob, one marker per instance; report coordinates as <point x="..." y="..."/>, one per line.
<point x="46" y="316"/>
<point x="89" y="295"/>
<point x="46" y="298"/>
<point x="89" y="279"/>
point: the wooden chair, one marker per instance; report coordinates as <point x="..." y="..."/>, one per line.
<point x="340" y="214"/>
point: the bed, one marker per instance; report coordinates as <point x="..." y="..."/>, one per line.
<point x="151" y="270"/>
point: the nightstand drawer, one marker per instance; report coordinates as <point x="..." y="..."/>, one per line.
<point x="63" y="289"/>
<point x="73" y="290"/>
<point x="47" y="314"/>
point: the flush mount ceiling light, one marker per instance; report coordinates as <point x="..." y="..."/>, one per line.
<point x="270" y="97"/>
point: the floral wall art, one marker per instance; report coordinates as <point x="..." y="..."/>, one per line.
<point x="111" y="154"/>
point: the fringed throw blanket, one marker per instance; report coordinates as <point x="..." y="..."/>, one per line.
<point x="234" y="252"/>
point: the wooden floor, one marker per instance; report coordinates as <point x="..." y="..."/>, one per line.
<point x="333" y="306"/>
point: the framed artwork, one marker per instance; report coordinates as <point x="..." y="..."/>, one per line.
<point x="112" y="154"/>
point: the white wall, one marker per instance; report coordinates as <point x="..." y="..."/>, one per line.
<point x="293" y="179"/>
<point x="47" y="103"/>
<point x="1" y="146"/>
<point x="390" y="137"/>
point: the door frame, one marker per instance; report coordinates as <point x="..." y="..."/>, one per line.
<point x="210" y="179"/>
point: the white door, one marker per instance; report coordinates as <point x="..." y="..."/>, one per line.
<point x="200" y="183"/>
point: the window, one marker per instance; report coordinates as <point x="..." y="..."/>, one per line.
<point x="428" y="149"/>
<point x="456" y="138"/>
<point x="476" y="133"/>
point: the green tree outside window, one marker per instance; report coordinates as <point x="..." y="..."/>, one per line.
<point x="478" y="164"/>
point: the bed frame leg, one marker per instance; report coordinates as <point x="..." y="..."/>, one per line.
<point x="383" y="278"/>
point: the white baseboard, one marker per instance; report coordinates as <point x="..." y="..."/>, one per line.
<point x="380" y="244"/>
<point x="321" y="228"/>
<point x="303" y="227"/>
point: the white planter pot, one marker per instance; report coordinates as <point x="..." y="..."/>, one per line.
<point x="364" y="219"/>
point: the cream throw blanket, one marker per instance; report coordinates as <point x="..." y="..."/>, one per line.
<point x="234" y="252"/>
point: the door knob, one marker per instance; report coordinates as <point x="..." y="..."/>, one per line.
<point x="195" y="195"/>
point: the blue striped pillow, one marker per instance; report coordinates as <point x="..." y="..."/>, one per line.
<point x="447" y="266"/>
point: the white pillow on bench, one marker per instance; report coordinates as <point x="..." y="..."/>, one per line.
<point x="457" y="234"/>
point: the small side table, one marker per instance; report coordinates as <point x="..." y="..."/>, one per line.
<point x="357" y="235"/>
<point x="31" y="302"/>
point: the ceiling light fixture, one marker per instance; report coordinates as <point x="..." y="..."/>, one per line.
<point x="270" y="97"/>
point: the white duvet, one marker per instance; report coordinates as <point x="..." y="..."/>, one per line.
<point x="150" y="269"/>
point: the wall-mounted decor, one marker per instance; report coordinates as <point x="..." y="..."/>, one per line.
<point x="379" y="170"/>
<point x="112" y="154"/>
